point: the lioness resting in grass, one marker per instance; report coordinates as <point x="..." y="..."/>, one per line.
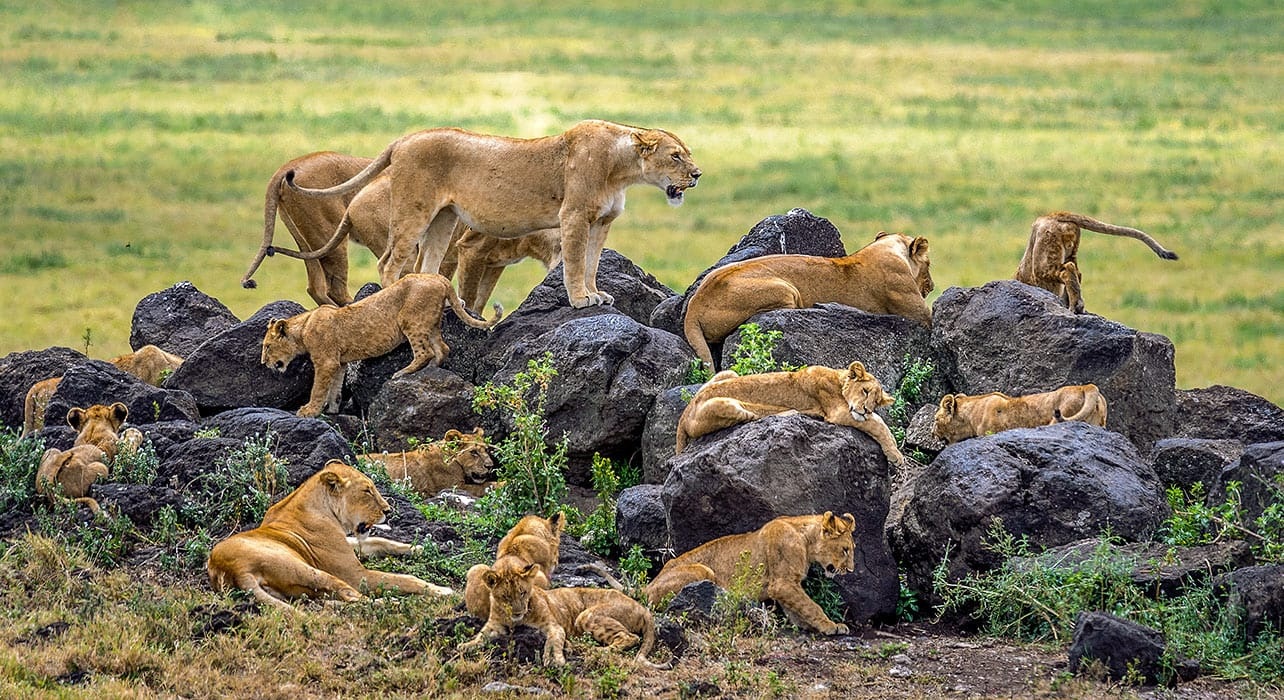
<point x="304" y="545"/>
<point x="533" y="540"/>
<point x="1051" y="258"/>
<point x="509" y="187"/>
<point x="517" y="598"/>
<point x="457" y="460"/>
<point x="782" y="550"/>
<point x="71" y="473"/>
<point x="411" y="309"/>
<point x="889" y="276"/>
<point x="960" y="417"/>
<point x="844" y="397"/>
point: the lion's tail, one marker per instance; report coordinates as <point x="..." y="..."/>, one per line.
<point x="647" y="644"/>
<point x="1094" y="406"/>
<point x="356" y="182"/>
<point x="453" y="299"/>
<point x="271" y="201"/>
<point x="1092" y="224"/>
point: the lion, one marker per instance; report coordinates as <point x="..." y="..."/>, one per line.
<point x="481" y="259"/>
<point x="609" y="616"/>
<point x="457" y="460"/>
<point x="509" y="187"/>
<point x="71" y="473"/>
<point x="533" y="540"/>
<point x="960" y="417"/>
<point x="411" y="309"/>
<point x="304" y="545"/>
<point x="149" y="363"/>
<point x="780" y="552"/>
<point x="891" y="275"/>
<point x="845" y="397"/>
<point x="1051" y="256"/>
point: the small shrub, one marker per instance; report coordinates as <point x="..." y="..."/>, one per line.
<point x="755" y="354"/>
<point x="240" y="488"/>
<point x="1194" y="523"/>
<point x="824" y="591"/>
<point x="906" y="601"/>
<point x="134" y="466"/>
<point x="600" y="535"/>
<point x="19" y="460"/>
<point x="635" y="567"/>
<point x="918" y="371"/>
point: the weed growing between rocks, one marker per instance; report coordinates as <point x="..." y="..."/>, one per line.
<point x="19" y="460"/>
<point x="756" y="352"/>
<point x="241" y="487"/>
<point x="917" y="372"/>
<point x="1195" y="522"/>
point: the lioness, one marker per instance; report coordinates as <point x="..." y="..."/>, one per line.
<point x="71" y="473"/>
<point x="845" y="397"/>
<point x="610" y="617"/>
<point x="1051" y="257"/>
<point x="149" y="363"/>
<point x="889" y="276"/>
<point x="782" y="550"/>
<point x="533" y="540"/>
<point x="481" y="259"/>
<point x="960" y="417"/>
<point x="303" y="547"/>
<point x="508" y="187"/>
<point x="455" y="460"/>
<point x="411" y="309"/>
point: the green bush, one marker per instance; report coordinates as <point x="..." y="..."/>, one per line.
<point x="19" y="460"/>
<point x="756" y="352"/>
<point x="241" y="487"/>
<point x="1193" y="522"/>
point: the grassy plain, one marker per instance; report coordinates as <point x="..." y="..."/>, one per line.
<point x="136" y="139"/>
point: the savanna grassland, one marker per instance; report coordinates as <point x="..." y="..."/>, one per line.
<point x="136" y="140"/>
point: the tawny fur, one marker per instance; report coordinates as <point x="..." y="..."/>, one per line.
<point x="149" y="363"/>
<point x="891" y="275"/>
<point x="508" y="187"/>
<point x="960" y="417"/>
<point x="775" y="558"/>
<point x="1051" y="258"/>
<point x="71" y="473"/>
<point x="481" y="259"/>
<point x="411" y="309"/>
<point x="458" y="460"/>
<point x="303" y="548"/>
<point x="533" y="540"/>
<point x="842" y="396"/>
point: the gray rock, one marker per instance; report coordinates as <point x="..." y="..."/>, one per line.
<point x="1183" y="462"/>
<point x="1223" y="412"/>
<point x="304" y="444"/>
<point x="1257" y="591"/>
<point x="423" y="405"/>
<point x="20" y="370"/>
<point x="659" y="436"/>
<point x="1260" y="472"/>
<point x="178" y="319"/>
<point x="1126" y="648"/>
<point x="99" y="382"/>
<point x="640" y="518"/>
<point x="696" y="601"/>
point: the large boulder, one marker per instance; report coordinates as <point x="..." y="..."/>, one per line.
<point x="736" y="480"/>
<point x="1011" y="337"/>
<point x="1183" y="462"/>
<point x="184" y="464"/>
<point x="20" y="370"/>
<point x="99" y="382"/>
<point x="1223" y="412"/>
<point x="640" y="518"/>
<point x="423" y="406"/>
<point x="1260" y="473"/>
<point x="1054" y="485"/>
<point x="304" y="444"/>
<point x="225" y="371"/>
<point x="1257" y="592"/>
<point x="660" y="436"/>
<point x="178" y="319"/>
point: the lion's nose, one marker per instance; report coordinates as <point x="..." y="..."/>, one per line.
<point x="695" y="176"/>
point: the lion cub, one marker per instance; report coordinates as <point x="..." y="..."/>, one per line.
<point x="410" y="309"/>
<point x="1051" y="257"/>
<point x="70" y="473"/>
<point x="533" y="540"/>
<point x="456" y="460"/>
<point x="961" y="417"/>
<point x="844" y="397"/>
<point x="481" y="259"/>
<point x="891" y="275"/>
<point x="783" y="549"/>
<point x="517" y="598"/>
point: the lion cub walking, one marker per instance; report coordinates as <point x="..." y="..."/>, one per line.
<point x="960" y="417"/>
<point x="71" y="473"/>
<point x="1051" y="258"/>
<point x="410" y="309"/>
<point x="844" y="397"/>
<point x="782" y="550"/>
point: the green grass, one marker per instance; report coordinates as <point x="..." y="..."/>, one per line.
<point x="136" y="139"/>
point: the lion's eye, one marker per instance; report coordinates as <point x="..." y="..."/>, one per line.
<point x="677" y="157"/>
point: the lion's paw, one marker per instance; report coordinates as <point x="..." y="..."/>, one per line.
<point x="840" y="629"/>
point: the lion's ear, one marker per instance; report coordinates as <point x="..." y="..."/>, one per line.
<point x="887" y="399"/>
<point x="918" y="248"/>
<point x="851" y="522"/>
<point x="856" y="369"/>
<point x="452" y="434"/>
<point x="75" y="417"/>
<point x="490" y="577"/>
<point x="119" y="412"/>
<point x="277" y="327"/>
<point x="827" y="521"/>
<point x="478" y="432"/>
<point x="881" y="234"/>
<point x="557" y="522"/>
<point x="947" y="403"/>
<point x="646" y="141"/>
<point x="332" y="481"/>
<point x="530" y="570"/>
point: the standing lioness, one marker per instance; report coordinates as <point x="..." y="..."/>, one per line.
<point x="508" y="187"/>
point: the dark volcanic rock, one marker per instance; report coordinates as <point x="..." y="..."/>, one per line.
<point x="99" y="382"/>
<point x="20" y="370"/>
<point x="178" y="319"/>
<point x="1223" y="412"/>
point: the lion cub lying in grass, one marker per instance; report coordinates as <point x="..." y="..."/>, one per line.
<point x="783" y="549"/>
<point x="458" y="460"/>
<point x="961" y="417"/>
<point x="889" y="276"/>
<point x="410" y="309"/>
<point x="303" y="548"/>
<point x="845" y="397"/>
<point x="71" y="473"/>
<point x="533" y="540"/>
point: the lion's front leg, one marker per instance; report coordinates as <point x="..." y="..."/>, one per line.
<point x="801" y="608"/>
<point x="325" y="374"/>
<point x="554" y="644"/>
<point x="401" y="582"/>
<point x="593" y="257"/>
<point x="575" y="244"/>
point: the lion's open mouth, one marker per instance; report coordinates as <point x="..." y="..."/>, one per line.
<point x="362" y="528"/>
<point x="675" y="194"/>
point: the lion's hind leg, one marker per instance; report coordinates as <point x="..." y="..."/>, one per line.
<point x="598" y="622"/>
<point x="1071" y="292"/>
<point x="672" y="579"/>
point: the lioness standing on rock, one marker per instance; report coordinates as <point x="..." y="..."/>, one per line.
<point x="889" y="276"/>
<point x="509" y="187"/>
<point x="411" y="309"/>
<point x="960" y="417"/>
<point x="1051" y="258"/>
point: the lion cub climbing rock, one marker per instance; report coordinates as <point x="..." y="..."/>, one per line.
<point x="71" y="473"/>
<point x="961" y="417"/>
<point x="458" y="460"/>
<point x="411" y="309"/>
<point x="889" y="276"/>
<point x="1051" y="258"/>
<point x="783" y="550"/>
<point x="841" y="396"/>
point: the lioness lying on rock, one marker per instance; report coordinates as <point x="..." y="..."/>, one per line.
<point x="889" y="276"/>
<point x="784" y="549"/>
<point x="149" y="363"/>
<point x="517" y="598"/>
<point x="303" y="546"/>
<point x="70" y="473"/>
<point x="411" y="309"/>
<point x="456" y="460"/>
<point x="845" y="397"/>
<point x="961" y="417"/>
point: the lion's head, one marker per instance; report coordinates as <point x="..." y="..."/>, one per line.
<point x="949" y="424"/>
<point x="470" y="454"/>
<point x="863" y="392"/>
<point x="834" y="550"/>
<point x="917" y="256"/>
<point x="666" y="163"/>
<point x="354" y="500"/>
<point x="97" y="417"/>
<point x="280" y="345"/>
<point x="511" y="580"/>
